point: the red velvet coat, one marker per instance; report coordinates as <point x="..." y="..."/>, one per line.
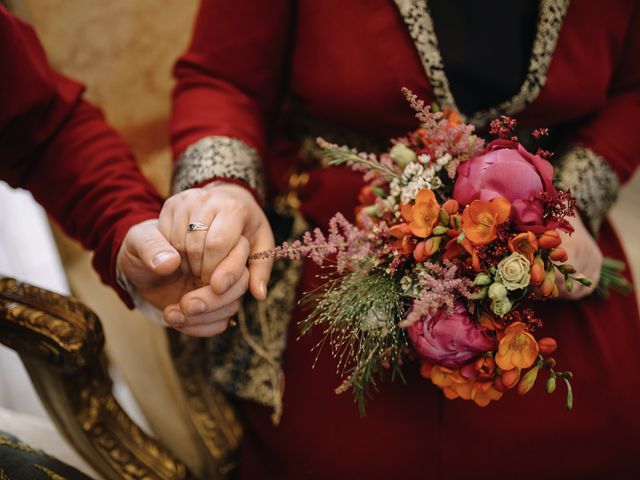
<point x="345" y="61"/>
<point x="59" y="147"/>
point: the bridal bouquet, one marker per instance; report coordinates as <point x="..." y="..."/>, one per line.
<point x="455" y="242"/>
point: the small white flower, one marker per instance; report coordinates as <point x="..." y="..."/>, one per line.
<point x="428" y="172"/>
<point x="406" y="283"/>
<point x="424" y="158"/>
<point x="412" y="170"/>
<point x="409" y="192"/>
<point x="394" y="187"/>
<point x="443" y="160"/>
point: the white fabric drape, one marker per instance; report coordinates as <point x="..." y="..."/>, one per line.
<point x="28" y="253"/>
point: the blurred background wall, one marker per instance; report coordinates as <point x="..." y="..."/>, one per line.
<point x="124" y="50"/>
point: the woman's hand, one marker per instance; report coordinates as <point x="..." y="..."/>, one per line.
<point x="217" y="257"/>
<point x="585" y="255"/>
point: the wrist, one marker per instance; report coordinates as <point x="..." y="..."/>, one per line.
<point x="235" y="184"/>
<point x="219" y="158"/>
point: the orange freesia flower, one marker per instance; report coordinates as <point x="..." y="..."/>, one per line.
<point x="402" y="234"/>
<point x="548" y="284"/>
<point x="549" y="239"/>
<point x="526" y="244"/>
<point x="454" y="385"/>
<point x="445" y="377"/>
<point x="547" y="345"/>
<point x="537" y="271"/>
<point x="366" y="195"/>
<point x="482" y="393"/>
<point x="487" y="320"/>
<point x="451" y="206"/>
<point x="518" y="348"/>
<point x="454" y="249"/>
<point x="426" y="248"/>
<point x="423" y="215"/>
<point x="482" y="369"/>
<point x="425" y="369"/>
<point x="480" y="220"/>
<point x="559" y="254"/>
<point x="510" y="378"/>
<point x="450" y="393"/>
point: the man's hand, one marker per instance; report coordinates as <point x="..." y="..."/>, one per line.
<point x="155" y="270"/>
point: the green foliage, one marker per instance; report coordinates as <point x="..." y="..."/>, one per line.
<point x="611" y="278"/>
<point x="359" y="313"/>
<point x="336" y="155"/>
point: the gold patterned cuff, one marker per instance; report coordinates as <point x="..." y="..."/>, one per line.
<point x="218" y="157"/>
<point x="592" y="182"/>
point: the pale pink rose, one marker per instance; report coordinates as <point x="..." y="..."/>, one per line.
<point x="508" y="170"/>
<point x="451" y="340"/>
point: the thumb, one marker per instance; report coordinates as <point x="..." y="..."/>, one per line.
<point x="149" y="250"/>
<point x="260" y="268"/>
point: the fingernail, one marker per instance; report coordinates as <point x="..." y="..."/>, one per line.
<point x="174" y="317"/>
<point x="262" y="287"/>
<point x="195" y="307"/>
<point x="161" y="258"/>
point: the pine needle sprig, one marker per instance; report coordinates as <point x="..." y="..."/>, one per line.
<point x="359" y="315"/>
<point x="366" y="163"/>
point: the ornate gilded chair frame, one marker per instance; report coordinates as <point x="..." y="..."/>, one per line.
<point x="60" y="342"/>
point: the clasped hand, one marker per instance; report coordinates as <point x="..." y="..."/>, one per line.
<point x="197" y="278"/>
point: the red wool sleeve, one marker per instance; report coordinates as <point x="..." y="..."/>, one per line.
<point x="613" y="131"/>
<point x="231" y="77"/>
<point x="59" y="147"/>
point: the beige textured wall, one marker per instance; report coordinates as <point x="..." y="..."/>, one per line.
<point x="123" y="50"/>
<point x="626" y="219"/>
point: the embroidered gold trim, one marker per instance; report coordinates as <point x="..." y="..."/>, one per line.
<point x="49" y="473"/>
<point x="420" y="24"/>
<point x="212" y="157"/>
<point x="592" y="182"/>
<point x="236" y="366"/>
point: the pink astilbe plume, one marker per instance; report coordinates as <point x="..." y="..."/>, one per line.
<point x="458" y="140"/>
<point x="440" y="287"/>
<point x="423" y="111"/>
<point x="345" y="241"/>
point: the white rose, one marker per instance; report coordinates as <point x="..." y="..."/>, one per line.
<point x="513" y="271"/>
<point x="497" y="291"/>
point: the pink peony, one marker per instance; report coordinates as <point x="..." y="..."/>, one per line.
<point x="450" y="340"/>
<point x="507" y="169"/>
